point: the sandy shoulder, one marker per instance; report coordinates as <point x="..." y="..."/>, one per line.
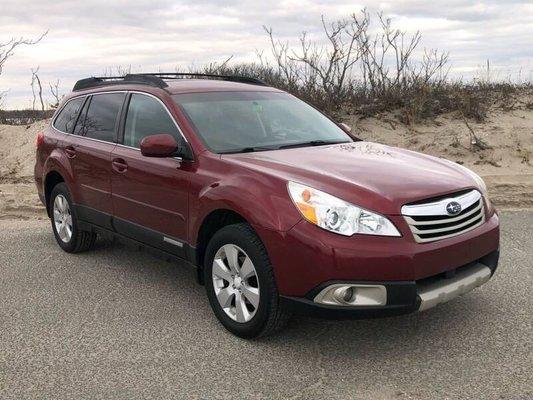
<point x="20" y="201"/>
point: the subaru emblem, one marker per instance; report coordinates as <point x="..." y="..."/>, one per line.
<point x="453" y="208"/>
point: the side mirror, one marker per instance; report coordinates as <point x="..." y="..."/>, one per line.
<point x="162" y="145"/>
<point x="345" y="127"/>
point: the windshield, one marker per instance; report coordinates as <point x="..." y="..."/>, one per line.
<point x="231" y="122"/>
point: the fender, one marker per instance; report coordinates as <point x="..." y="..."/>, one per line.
<point x="58" y="161"/>
<point x="253" y="205"/>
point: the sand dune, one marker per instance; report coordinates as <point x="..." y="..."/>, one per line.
<point x="506" y="162"/>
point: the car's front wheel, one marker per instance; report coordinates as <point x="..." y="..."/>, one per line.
<point x="240" y="283"/>
<point x="65" y="223"/>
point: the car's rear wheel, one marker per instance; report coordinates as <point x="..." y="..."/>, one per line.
<point x="65" y="223"/>
<point x="240" y="283"/>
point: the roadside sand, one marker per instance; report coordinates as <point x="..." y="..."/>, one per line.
<point x="506" y="163"/>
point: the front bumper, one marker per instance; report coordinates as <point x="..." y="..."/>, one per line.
<point x="403" y="297"/>
<point x="306" y="256"/>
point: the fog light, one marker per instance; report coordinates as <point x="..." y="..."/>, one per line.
<point x="344" y="294"/>
<point x="340" y="294"/>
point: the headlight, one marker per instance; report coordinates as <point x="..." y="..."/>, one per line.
<point x="336" y="215"/>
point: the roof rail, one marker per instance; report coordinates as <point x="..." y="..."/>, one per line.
<point x="143" y="79"/>
<point x="157" y="79"/>
<point x="192" y="75"/>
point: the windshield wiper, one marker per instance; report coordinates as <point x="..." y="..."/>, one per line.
<point x="252" y="149"/>
<point x="312" y="143"/>
<point x="249" y="150"/>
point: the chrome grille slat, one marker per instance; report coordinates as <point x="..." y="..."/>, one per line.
<point x="443" y="221"/>
<point x="420" y="240"/>
<point x="437" y="208"/>
<point x="444" y="226"/>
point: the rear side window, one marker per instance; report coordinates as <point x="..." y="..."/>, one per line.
<point x="67" y="116"/>
<point x="147" y="116"/>
<point x="101" y="117"/>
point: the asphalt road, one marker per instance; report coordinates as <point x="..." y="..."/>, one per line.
<point x="117" y="323"/>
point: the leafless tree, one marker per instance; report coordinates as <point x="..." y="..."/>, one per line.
<point x="36" y="88"/>
<point x="7" y="49"/>
<point x="54" y="92"/>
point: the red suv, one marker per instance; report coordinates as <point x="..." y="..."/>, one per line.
<point x="279" y="208"/>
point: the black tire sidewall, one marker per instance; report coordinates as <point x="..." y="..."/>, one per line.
<point x="62" y="189"/>
<point x="232" y="235"/>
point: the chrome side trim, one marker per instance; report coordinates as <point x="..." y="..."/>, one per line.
<point x="116" y="91"/>
<point x="447" y="289"/>
<point x="179" y="159"/>
<point x="56" y="114"/>
<point x="439" y="207"/>
<point x="172" y="241"/>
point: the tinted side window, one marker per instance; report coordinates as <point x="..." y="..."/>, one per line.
<point x="147" y="116"/>
<point x="78" y="129"/>
<point x="67" y="117"/>
<point x="102" y="115"/>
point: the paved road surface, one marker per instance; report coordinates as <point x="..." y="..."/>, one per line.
<point x="117" y="323"/>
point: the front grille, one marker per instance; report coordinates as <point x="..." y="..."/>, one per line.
<point x="431" y="221"/>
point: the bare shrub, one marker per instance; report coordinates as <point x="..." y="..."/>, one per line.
<point x="355" y="71"/>
<point x="23" y="117"/>
<point x="359" y="71"/>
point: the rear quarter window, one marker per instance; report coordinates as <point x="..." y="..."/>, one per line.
<point x="67" y="116"/>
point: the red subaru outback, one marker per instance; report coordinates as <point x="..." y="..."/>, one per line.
<point x="279" y="208"/>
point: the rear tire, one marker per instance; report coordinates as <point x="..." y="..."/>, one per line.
<point x="244" y="297"/>
<point x="65" y="222"/>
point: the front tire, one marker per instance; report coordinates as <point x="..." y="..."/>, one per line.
<point x="240" y="283"/>
<point x="65" y="222"/>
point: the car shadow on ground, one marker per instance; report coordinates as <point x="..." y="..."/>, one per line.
<point x="431" y="328"/>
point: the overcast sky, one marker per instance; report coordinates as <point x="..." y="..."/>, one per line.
<point x="87" y="37"/>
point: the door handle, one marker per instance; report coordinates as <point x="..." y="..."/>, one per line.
<point x="119" y="165"/>
<point x="71" y="152"/>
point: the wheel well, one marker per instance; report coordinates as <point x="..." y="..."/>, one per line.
<point x="51" y="180"/>
<point x="215" y="221"/>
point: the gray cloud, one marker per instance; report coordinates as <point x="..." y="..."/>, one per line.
<point x="87" y="37"/>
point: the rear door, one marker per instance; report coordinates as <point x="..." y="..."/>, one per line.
<point x="150" y="195"/>
<point x="89" y="148"/>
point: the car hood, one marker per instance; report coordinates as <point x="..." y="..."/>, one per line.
<point x="374" y="176"/>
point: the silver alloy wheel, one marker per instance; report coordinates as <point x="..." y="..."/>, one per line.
<point x="236" y="283"/>
<point x="62" y="218"/>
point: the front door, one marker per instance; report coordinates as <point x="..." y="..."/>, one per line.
<point x="149" y="195"/>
